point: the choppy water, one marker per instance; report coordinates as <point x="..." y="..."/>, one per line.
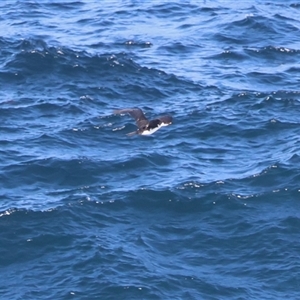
<point x="207" y="208"/>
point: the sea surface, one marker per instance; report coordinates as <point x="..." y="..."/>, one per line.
<point x="207" y="208"/>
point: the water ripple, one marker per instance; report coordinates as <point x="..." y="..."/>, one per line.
<point x="204" y="208"/>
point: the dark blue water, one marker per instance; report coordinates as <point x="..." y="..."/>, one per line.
<point x="207" y="208"/>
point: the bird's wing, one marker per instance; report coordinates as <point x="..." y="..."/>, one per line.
<point x="132" y="133"/>
<point x="136" y="113"/>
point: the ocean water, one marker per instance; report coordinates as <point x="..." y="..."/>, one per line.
<point x="207" y="208"/>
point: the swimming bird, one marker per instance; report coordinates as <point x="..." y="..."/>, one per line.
<point x="145" y="127"/>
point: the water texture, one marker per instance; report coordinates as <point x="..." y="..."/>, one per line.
<point x="207" y="208"/>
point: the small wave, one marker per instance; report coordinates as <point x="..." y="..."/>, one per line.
<point x="179" y="48"/>
<point x="228" y="56"/>
<point x="274" y="53"/>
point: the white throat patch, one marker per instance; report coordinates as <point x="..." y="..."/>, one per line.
<point x="148" y="132"/>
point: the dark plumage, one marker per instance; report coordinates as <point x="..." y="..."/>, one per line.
<point x="145" y="127"/>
